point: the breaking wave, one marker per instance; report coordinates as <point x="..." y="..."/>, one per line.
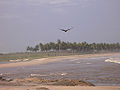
<point x="113" y="60"/>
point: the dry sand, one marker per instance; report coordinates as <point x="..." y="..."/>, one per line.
<point x="60" y="88"/>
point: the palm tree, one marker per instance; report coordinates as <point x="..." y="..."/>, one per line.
<point x="75" y="47"/>
<point x="59" y="44"/>
<point x="36" y="48"/>
<point x="28" y="48"/>
<point x="41" y="47"/>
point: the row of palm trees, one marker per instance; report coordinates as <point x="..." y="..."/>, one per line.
<point x="74" y="47"/>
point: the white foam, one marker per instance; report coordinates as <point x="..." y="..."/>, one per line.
<point x="1" y="74"/>
<point x="25" y="59"/>
<point x="113" y="60"/>
<point x="17" y="60"/>
<point x="36" y="75"/>
<point x="88" y="63"/>
<point x="77" y="62"/>
<point x="63" y="74"/>
<point x="56" y="74"/>
<point x="74" y="59"/>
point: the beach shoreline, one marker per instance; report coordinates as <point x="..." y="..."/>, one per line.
<point x="50" y="60"/>
<point x="53" y="59"/>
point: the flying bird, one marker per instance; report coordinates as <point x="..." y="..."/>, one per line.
<point x="66" y="30"/>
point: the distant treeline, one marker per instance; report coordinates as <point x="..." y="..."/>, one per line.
<point x="74" y="47"/>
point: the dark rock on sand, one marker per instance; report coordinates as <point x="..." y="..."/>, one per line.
<point x="59" y="82"/>
<point x="42" y="88"/>
<point x="2" y="78"/>
<point x="72" y="83"/>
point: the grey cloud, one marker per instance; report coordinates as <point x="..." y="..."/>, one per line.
<point x="7" y="2"/>
<point x="50" y="2"/>
<point x="59" y="2"/>
<point x="8" y="16"/>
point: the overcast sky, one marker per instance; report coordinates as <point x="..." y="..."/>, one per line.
<point x="29" y="22"/>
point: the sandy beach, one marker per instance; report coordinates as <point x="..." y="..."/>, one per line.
<point x="41" y="61"/>
<point x="53" y="59"/>
<point x="59" y="88"/>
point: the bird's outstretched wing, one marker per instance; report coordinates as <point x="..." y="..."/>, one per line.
<point x="62" y="29"/>
<point x="70" y="28"/>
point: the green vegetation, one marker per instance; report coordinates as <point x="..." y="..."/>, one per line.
<point x="30" y="55"/>
<point x="75" y="47"/>
<point x="61" y="48"/>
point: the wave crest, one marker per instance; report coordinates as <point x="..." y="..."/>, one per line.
<point x="113" y="60"/>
